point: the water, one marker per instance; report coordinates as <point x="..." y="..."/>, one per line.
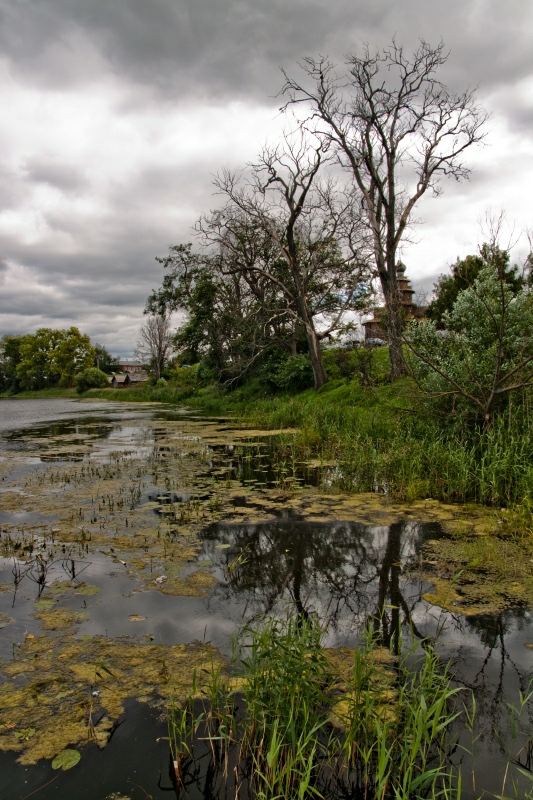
<point x="58" y="457"/>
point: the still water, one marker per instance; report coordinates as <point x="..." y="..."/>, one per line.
<point x="192" y="494"/>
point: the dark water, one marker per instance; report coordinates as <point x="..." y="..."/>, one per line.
<point x="347" y="573"/>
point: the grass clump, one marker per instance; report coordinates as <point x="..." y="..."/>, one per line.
<point x="303" y="721"/>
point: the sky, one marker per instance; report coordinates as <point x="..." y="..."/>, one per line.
<point x="116" y="115"/>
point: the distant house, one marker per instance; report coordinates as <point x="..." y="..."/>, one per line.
<point x="130" y="366"/>
<point x="120" y="381"/>
<point x="137" y="378"/>
<point x="375" y="328"/>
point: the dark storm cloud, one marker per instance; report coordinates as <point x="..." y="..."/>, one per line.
<point x="221" y="48"/>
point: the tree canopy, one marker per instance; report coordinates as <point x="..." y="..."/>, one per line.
<point x="463" y="275"/>
<point x="51" y="356"/>
<point x="485" y="352"/>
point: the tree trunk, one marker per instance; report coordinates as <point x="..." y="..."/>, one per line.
<point x="319" y="373"/>
<point x="394" y="325"/>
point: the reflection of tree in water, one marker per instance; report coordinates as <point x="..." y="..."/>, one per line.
<point x="341" y="570"/>
<point x="498" y="678"/>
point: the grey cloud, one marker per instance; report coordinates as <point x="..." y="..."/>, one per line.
<point x="221" y="48"/>
<point x="12" y="189"/>
<point x="59" y="174"/>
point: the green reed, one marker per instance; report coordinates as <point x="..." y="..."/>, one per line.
<point x="307" y="728"/>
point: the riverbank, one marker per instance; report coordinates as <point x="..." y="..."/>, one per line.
<point x="53" y="391"/>
<point x="380" y="438"/>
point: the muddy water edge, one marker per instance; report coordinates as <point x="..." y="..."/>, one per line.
<point x="137" y="540"/>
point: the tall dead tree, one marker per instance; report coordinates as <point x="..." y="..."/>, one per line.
<point x="398" y="131"/>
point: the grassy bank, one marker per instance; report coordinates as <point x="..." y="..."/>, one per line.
<point x="53" y="391"/>
<point x="381" y="437"/>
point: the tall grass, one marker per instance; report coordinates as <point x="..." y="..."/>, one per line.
<point x="314" y="727"/>
<point x="383" y="438"/>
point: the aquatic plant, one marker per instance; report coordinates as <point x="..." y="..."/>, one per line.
<point x="329" y="723"/>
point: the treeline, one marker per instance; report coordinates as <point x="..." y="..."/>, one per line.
<point x="53" y="357"/>
<point x="305" y="232"/>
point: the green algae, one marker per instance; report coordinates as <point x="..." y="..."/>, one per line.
<point x="58" y="619"/>
<point x="479" y="574"/>
<point x="97" y="506"/>
<point x="72" y="683"/>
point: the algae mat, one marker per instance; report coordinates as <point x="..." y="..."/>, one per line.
<point x="64" y="691"/>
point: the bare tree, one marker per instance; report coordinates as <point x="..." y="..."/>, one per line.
<point x="155" y="343"/>
<point x="397" y="130"/>
<point x="315" y="229"/>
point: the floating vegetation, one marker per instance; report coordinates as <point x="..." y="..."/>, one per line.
<point x="66" y="759"/>
<point x="58" y="619"/>
<point x="4" y="619"/>
<point x="73" y="690"/>
<point x="479" y="574"/>
<point x="139" y="510"/>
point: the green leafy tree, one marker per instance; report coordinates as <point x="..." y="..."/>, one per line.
<point x="463" y="274"/>
<point x="231" y="319"/>
<point x="50" y="357"/>
<point x="9" y="359"/>
<point x="486" y="351"/>
<point x="104" y="361"/>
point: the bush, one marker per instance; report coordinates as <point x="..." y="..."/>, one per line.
<point x="486" y="352"/>
<point x="91" y="378"/>
<point x="294" y="374"/>
<point x="161" y="383"/>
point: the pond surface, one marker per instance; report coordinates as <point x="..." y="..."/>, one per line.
<point x="135" y="534"/>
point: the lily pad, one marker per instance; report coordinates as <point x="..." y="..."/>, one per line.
<point x="136" y="618"/>
<point x="221" y="546"/>
<point x="66" y="759"/>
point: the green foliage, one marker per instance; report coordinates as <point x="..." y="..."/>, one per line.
<point x="289" y="373"/>
<point x="224" y="329"/>
<point x="184" y="378"/>
<point x="9" y="360"/>
<point x="463" y="276"/>
<point x="50" y="357"/>
<point x="161" y="383"/>
<point x="104" y="360"/>
<point x="486" y="351"/>
<point x="90" y="378"/>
